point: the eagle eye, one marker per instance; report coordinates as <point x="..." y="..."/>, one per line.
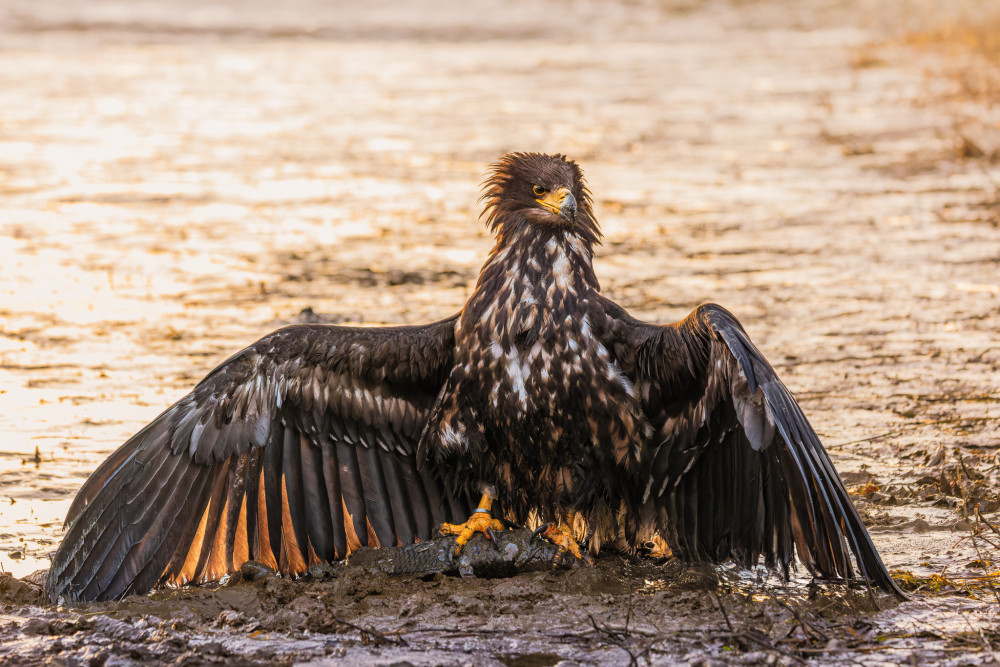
<point x="538" y="190"/>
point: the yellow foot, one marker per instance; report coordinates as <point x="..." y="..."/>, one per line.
<point x="481" y="521"/>
<point x="655" y="548"/>
<point x="562" y="537"/>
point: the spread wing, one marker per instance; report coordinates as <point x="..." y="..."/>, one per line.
<point x="734" y="470"/>
<point x="299" y="449"/>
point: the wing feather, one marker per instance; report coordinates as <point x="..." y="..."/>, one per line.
<point x="734" y="462"/>
<point x="180" y="526"/>
<point x="272" y="527"/>
<point x="210" y="560"/>
<point x="301" y="447"/>
<point x="316" y="505"/>
<point x="293" y="527"/>
<point x="233" y="540"/>
<point x="110" y="523"/>
<point x="251" y="503"/>
<point x="114" y="579"/>
<point x="439" y="508"/>
<point x="378" y="505"/>
<point x="356" y="516"/>
<point x="335" y="499"/>
<point x="415" y="499"/>
<point x="399" y="497"/>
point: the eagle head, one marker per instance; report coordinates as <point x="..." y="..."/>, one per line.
<point x="546" y="191"/>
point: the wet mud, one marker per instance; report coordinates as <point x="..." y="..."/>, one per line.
<point x="179" y="178"/>
<point x="621" y="610"/>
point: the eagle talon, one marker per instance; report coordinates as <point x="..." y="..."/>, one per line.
<point x="562" y="538"/>
<point x="481" y="521"/>
<point x="541" y="529"/>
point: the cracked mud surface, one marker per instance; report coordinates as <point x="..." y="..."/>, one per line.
<point x="178" y="179"/>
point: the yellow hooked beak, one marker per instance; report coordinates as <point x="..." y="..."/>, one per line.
<point x="560" y="201"/>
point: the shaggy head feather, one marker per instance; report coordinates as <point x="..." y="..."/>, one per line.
<point x="512" y="199"/>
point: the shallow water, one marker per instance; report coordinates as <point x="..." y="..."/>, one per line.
<point x="172" y="190"/>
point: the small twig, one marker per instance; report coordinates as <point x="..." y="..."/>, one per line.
<point x="606" y="630"/>
<point x="807" y="628"/>
<point x="460" y="632"/>
<point x="952" y="420"/>
<point x="982" y="638"/>
<point x="988" y="646"/>
<point x="761" y="641"/>
<point x="618" y="639"/>
<point x="961" y="462"/>
<point x="989" y="578"/>
<point x="368" y="634"/>
<point x="987" y="523"/>
<point x="722" y="609"/>
<point x="989" y="542"/>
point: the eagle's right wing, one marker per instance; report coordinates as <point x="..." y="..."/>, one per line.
<point x="299" y="449"/>
<point x="734" y="470"/>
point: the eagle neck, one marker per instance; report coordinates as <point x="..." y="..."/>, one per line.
<point x="532" y="269"/>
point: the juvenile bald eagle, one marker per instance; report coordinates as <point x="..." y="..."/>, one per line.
<point x="318" y="440"/>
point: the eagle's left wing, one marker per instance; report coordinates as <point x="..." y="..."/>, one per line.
<point x="733" y="469"/>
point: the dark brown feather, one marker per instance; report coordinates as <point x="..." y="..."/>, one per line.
<point x="293" y="515"/>
<point x="243" y="434"/>
<point x="726" y="423"/>
<point x="335" y="499"/>
<point x="316" y="505"/>
<point x="318" y="440"/>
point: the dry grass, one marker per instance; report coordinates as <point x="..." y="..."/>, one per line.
<point x="974" y="50"/>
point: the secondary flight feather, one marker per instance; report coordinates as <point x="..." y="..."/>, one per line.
<point x="541" y="397"/>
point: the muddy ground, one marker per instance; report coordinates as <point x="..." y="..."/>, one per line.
<point x="179" y="178"/>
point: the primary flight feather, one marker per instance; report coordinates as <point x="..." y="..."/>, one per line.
<point x="316" y="440"/>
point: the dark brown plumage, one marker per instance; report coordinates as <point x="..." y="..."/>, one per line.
<point x="318" y="440"/>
